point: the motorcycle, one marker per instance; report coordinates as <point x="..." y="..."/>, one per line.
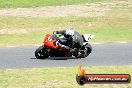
<point x="51" y="49"/>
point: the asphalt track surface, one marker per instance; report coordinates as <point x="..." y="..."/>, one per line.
<point x="102" y="55"/>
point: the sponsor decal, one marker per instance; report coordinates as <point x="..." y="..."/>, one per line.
<point x="83" y="78"/>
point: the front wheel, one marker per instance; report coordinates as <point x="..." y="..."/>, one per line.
<point x="41" y="53"/>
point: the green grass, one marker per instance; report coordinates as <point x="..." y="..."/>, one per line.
<point x="57" y="77"/>
<point x="41" y="3"/>
<point x="106" y="30"/>
<point x="115" y="26"/>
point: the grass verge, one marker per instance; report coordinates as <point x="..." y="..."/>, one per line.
<point x="41" y="3"/>
<point x="57" y="77"/>
<point x="31" y="30"/>
<point x="115" y="26"/>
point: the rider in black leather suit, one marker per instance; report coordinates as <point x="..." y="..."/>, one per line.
<point x="74" y="39"/>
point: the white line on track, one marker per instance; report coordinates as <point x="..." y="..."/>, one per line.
<point x="123" y="42"/>
<point x="96" y="43"/>
<point x="11" y="46"/>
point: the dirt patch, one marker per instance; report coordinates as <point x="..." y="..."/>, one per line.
<point x="9" y="31"/>
<point x="92" y="10"/>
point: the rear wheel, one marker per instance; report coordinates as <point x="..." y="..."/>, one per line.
<point x="88" y="49"/>
<point x="85" y="51"/>
<point x="41" y="53"/>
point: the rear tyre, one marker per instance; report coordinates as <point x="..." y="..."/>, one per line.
<point x="41" y="53"/>
<point x="86" y="51"/>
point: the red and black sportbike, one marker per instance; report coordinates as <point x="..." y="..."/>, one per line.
<point x="51" y="49"/>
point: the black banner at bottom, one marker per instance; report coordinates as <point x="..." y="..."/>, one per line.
<point x="103" y="78"/>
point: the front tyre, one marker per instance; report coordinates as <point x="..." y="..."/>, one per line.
<point x="41" y="53"/>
